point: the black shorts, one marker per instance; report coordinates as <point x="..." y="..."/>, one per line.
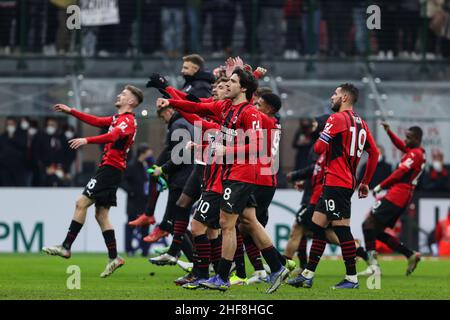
<point x="193" y="186"/>
<point x="386" y="212"/>
<point x="305" y="214"/>
<point x="335" y="202"/>
<point x="263" y="197"/>
<point x="208" y="209"/>
<point x="237" y="196"/>
<point x="103" y="186"/>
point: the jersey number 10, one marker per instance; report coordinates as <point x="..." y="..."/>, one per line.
<point x="361" y="141"/>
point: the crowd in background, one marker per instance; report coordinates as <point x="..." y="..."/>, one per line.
<point x="272" y="28"/>
<point x="30" y="156"/>
<point x="35" y="156"/>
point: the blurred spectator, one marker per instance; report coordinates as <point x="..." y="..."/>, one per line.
<point x="436" y="178"/>
<point x="49" y="153"/>
<point x="251" y="15"/>
<point x="292" y="14"/>
<point x="312" y="13"/>
<point x="62" y="32"/>
<point x="198" y="82"/>
<point x="382" y="171"/>
<point x="7" y="15"/>
<point x="387" y="36"/>
<point x="338" y="17"/>
<point x="116" y="38"/>
<point x="12" y="155"/>
<point x="172" y="18"/>
<point x="437" y="17"/>
<point x="303" y="142"/>
<point x="442" y="236"/>
<point x="151" y="20"/>
<point x="136" y="184"/>
<point x="195" y="24"/>
<point x="271" y="28"/>
<point x="408" y="26"/>
<point x="223" y="13"/>
<point x="359" y="15"/>
<point x="69" y="155"/>
<point x="32" y="161"/>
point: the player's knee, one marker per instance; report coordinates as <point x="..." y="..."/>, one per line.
<point x="197" y="228"/>
<point x="81" y="204"/>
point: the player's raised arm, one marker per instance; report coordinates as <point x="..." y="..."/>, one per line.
<point x="202" y="109"/>
<point x="99" y="122"/>
<point x="399" y="143"/>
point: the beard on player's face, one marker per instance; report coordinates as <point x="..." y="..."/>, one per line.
<point x="336" y="105"/>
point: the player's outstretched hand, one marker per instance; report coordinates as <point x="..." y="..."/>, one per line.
<point x="363" y="191"/>
<point x="62" y="108"/>
<point x="385" y="125"/>
<point x="76" y="143"/>
<point x="162" y="103"/>
<point x="300" y="185"/>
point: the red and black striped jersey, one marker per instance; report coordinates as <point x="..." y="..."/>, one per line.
<point x="344" y="138"/>
<point x="118" y="140"/>
<point x="268" y="160"/>
<point x="239" y="126"/>
<point x="402" y="182"/>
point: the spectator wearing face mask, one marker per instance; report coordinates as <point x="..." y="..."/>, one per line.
<point x="436" y="178"/>
<point x="50" y="151"/>
<point x="69" y="154"/>
<point x="12" y="155"/>
<point x="33" y="133"/>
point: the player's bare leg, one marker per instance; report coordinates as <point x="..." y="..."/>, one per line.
<point x="115" y="261"/>
<point x="79" y="217"/>
<point x="295" y="237"/>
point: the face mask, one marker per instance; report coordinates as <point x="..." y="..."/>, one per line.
<point x="437" y="165"/>
<point x="11" y="129"/>
<point x="32" y="131"/>
<point x="51" y="131"/>
<point x="69" y="135"/>
<point x="24" y="125"/>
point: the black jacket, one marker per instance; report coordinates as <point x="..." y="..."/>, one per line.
<point x="12" y="151"/>
<point x="382" y="171"/>
<point x="135" y="184"/>
<point x="177" y="173"/>
<point x="199" y="84"/>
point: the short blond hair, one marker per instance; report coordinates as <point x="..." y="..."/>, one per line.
<point x="136" y="92"/>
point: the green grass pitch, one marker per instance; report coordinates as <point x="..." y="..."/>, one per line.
<point x="37" y="276"/>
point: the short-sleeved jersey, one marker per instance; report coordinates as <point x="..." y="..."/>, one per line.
<point x="403" y="180"/>
<point x="267" y="168"/>
<point x="317" y="179"/>
<point x="115" y="153"/>
<point x="347" y="136"/>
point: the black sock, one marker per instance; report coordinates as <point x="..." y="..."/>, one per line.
<point x="224" y="269"/>
<point x="360" y="252"/>
<point x="395" y="244"/>
<point x="72" y="234"/>
<point x="301" y="253"/>
<point x="239" y="257"/>
<point x="348" y="248"/>
<point x="179" y="230"/>
<point x="202" y="255"/>
<point x="152" y="199"/>
<point x="110" y="240"/>
<point x="253" y="253"/>
<point x="317" y="247"/>
<point x="216" y="252"/>
<point x="271" y="256"/>
<point x="369" y="238"/>
<point x="187" y="247"/>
